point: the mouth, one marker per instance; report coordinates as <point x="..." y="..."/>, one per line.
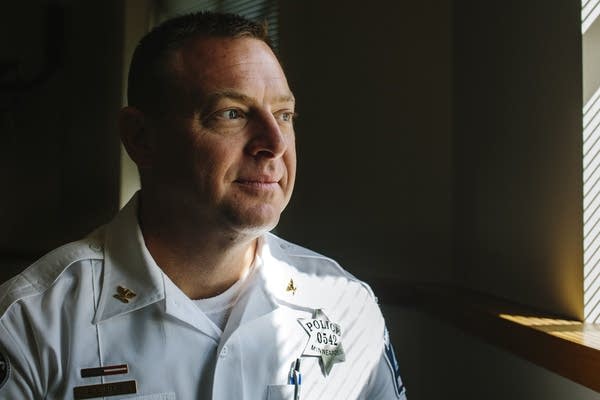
<point x="265" y="183"/>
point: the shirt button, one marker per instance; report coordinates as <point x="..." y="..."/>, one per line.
<point x="224" y="352"/>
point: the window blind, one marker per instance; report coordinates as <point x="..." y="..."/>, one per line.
<point x="256" y="10"/>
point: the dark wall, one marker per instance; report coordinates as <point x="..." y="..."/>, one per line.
<point x="518" y="151"/>
<point x="373" y="87"/>
<point x="60" y="88"/>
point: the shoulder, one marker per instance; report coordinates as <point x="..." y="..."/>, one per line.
<point x="320" y="272"/>
<point x="40" y="276"/>
<point x="307" y="260"/>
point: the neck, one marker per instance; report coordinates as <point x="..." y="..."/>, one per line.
<point x="202" y="260"/>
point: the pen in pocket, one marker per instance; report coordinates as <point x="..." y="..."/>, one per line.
<point x="295" y="378"/>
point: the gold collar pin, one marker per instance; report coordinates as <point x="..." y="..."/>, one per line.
<point x="291" y="287"/>
<point x="124" y="294"/>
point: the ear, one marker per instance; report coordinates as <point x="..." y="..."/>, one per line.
<point x="137" y="136"/>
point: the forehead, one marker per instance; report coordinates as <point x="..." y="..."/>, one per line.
<point x="209" y="64"/>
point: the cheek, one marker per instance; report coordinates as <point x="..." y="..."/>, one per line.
<point x="214" y="162"/>
<point x="290" y="163"/>
<point x="174" y="149"/>
<point x="291" y="166"/>
<point x="174" y="163"/>
<point x="290" y="159"/>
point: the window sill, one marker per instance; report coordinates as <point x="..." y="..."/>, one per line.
<point x="567" y="347"/>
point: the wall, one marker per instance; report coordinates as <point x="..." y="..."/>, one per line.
<point x="373" y="87"/>
<point x="518" y="151"/>
<point x="438" y="361"/>
<point x="59" y="158"/>
<point x="138" y="19"/>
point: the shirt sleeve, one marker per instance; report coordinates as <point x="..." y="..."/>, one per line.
<point x="16" y="380"/>
<point x="385" y="382"/>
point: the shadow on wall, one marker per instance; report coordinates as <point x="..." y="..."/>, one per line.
<point x="60" y="89"/>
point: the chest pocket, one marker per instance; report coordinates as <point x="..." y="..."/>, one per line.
<point x="159" y="396"/>
<point x="280" y="392"/>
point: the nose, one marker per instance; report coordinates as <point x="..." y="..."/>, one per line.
<point x="266" y="137"/>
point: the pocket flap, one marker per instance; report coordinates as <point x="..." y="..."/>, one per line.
<point x="158" y="396"/>
<point x="280" y="392"/>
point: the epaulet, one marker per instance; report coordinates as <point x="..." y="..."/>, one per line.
<point x="294" y="250"/>
<point x="40" y="275"/>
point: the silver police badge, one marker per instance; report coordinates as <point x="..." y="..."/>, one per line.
<point x="324" y="340"/>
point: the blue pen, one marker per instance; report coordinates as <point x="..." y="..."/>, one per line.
<point x="295" y="367"/>
<point x="291" y="374"/>
<point x="297" y="380"/>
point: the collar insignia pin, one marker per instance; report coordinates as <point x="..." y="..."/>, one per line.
<point x="291" y="287"/>
<point x="124" y="294"/>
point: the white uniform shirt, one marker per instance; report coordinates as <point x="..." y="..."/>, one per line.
<point x="63" y="314"/>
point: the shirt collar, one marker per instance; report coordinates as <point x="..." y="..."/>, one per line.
<point x="128" y="264"/>
<point x="266" y="289"/>
<point x="283" y="279"/>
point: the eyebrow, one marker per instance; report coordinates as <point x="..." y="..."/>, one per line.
<point x="214" y="97"/>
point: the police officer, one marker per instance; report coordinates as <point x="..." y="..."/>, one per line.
<point x="185" y="294"/>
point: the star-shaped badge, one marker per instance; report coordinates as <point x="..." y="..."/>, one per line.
<point x="324" y="340"/>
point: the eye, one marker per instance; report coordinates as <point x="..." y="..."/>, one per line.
<point x="285" y="116"/>
<point x="226" y="120"/>
<point x="231" y="114"/>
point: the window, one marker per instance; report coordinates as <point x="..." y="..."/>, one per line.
<point x="257" y="10"/>
<point x="590" y="28"/>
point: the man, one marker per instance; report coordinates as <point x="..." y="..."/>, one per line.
<point x="185" y="294"/>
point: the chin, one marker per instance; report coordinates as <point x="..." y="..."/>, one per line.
<point x="257" y="228"/>
<point x="254" y="223"/>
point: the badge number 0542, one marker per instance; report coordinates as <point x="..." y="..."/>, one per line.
<point x="324" y="338"/>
